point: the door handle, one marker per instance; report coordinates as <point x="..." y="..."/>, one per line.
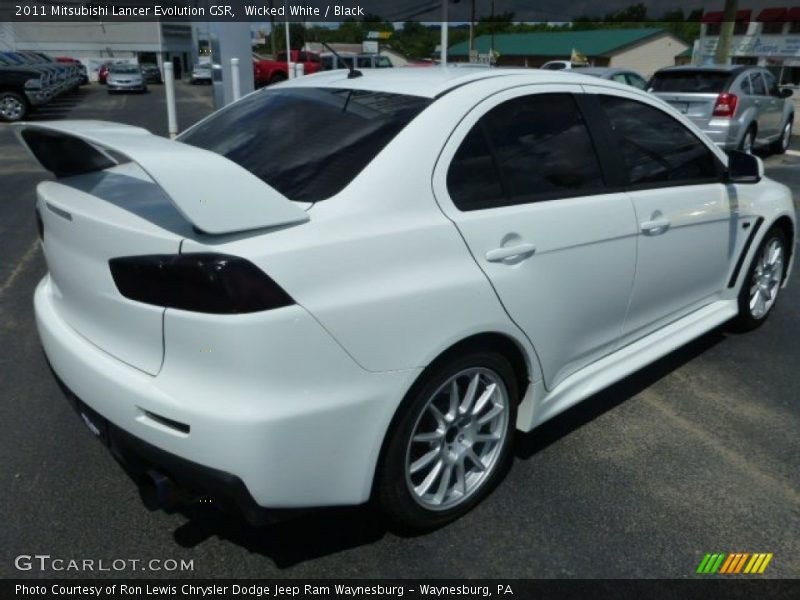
<point x="506" y="253"/>
<point x="656" y="226"/>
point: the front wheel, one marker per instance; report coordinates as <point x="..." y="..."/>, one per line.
<point x="451" y="441"/>
<point x="762" y="285"/>
<point x="13" y="107"/>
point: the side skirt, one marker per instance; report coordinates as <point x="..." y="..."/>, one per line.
<point x="620" y="364"/>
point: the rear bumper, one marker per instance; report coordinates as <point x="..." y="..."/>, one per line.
<point x="126" y="87"/>
<point x="269" y="399"/>
<point x="138" y="457"/>
<point x="725" y="133"/>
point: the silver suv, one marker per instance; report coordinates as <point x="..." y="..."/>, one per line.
<point x="738" y="107"/>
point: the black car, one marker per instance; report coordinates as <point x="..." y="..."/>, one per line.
<point x="21" y="88"/>
<point x="151" y="73"/>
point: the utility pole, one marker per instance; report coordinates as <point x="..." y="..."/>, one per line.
<point x="491" y="50"/>
<point x="272" y="32"/>
<point x="723" y="53"/>
<point x="472" y="28"/>
<point x="444" y="40"/>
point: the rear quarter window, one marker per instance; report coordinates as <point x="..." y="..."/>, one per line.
<point x="690" y="82"/>
<point x="307" y="143"/>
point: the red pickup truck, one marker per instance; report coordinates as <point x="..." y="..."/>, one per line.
<point x="267" y="71"/>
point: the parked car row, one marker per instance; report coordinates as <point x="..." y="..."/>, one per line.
<point x="31" y="79"/>
<point x="269" y="71"/>
<point x="739" y="107"/>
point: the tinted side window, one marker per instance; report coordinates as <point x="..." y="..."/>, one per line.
<point x="656" y="147"/>
<point x="473" y="179"/>
<point x="759" y="89"/>
<point x="745" y="85"/>
<point x="636" y="81"/>
<point x="530" y="148"/>
<point x="772" y="84"/>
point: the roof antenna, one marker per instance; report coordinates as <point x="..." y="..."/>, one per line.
<point x="354" y="73"/>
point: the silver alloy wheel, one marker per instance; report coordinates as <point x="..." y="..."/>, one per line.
<point x="787" y="135"/>
<point x="747" y="142"/>
<point x="457" y="439"/>
<point x="11" y="108"/>
<point x="766" y="279"/>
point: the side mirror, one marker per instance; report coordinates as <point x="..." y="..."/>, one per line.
<point x="786" y="92"/>
<point x="744" y="168"/>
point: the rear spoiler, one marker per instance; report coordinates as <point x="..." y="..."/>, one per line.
<point x="213" y="193"/>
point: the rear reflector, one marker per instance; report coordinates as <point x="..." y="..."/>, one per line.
<point x="203" y="282"/>
<point x="726" y="105"/>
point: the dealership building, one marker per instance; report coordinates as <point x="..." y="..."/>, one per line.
<point x="645" y="50"/>
<point x="97" y="42"/>
<point x="768" y="37"/>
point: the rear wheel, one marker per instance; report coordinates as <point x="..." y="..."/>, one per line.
<point x="13" y="107"/>
<point x="748" y="140"/>
<point x="781" y="145"/>
<point x="762" y="285"/>
<point x="450" y="445"/>
<point x="277" y="78"/>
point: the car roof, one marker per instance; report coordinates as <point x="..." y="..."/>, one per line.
<point x="428" y="83"/>
<point x="600" y="70"/>
<point x="722" y="68"/>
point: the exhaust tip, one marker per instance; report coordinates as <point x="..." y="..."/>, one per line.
<point x="158" y="491"/>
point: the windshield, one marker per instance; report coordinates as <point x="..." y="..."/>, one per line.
<point x="128" y="69"/>
<point x="695" y="82"/>
<point x="307" y="143"/>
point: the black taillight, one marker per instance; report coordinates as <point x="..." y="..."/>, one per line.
<point x="203" y="282"/>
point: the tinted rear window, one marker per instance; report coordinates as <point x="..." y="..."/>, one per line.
<point x="307" y="143"/>
<point x="693" y="82"/>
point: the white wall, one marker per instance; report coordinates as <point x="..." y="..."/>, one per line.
<point x="6" y="36"/>
<point x="649" y="56"/>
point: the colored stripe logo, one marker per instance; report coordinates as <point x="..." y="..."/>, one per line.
<point x="734" y="563"/>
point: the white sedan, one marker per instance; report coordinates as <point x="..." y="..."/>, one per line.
<point x="344" y="288"/>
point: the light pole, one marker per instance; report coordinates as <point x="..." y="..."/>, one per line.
<point x="723" y="54"/>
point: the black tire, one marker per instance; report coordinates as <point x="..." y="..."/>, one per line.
<point x="745" y="320"/>
<point x="13" y="107"/>
<point x="781" y="145"/>
<point x="751" y="135"/>
<point x="277" y="78"/>
<point x="392" y="492"/>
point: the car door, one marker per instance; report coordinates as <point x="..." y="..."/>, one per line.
<point x="521" y="179"/>
<point x="685" y="218"/>
<point x="767" y="126"/>
<point x="774" y="103"/>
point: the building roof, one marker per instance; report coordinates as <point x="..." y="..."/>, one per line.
<point x="595" y="42"/>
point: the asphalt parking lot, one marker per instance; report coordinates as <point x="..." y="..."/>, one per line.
<point x="697" y="453"/>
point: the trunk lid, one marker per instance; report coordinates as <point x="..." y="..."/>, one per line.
<point x="698" y="107"/>
<point x="104" y="207"/>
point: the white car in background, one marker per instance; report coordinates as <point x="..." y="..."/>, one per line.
<point x="125" y="77"/>
<point x="341" y="289"/>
